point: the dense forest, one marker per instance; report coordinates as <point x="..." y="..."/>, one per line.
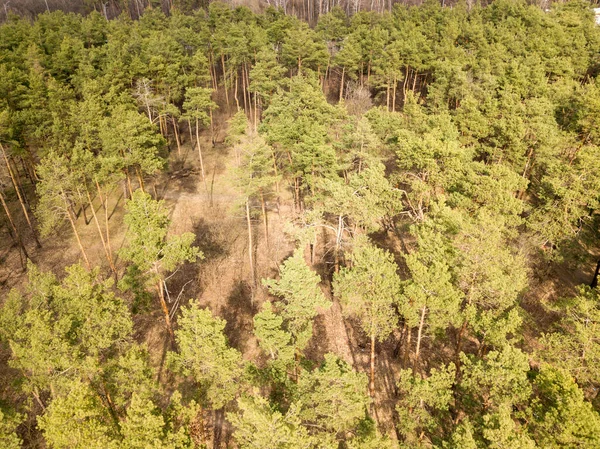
<point x="336" y="228"/>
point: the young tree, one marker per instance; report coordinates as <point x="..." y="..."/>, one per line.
<point x="149" y="248"/>
<point x="368" y="291"/>
<point x="8" y="435"/>
<point x="298" y="287"/>
<point x="424" y="404"/>
<point x="259" y="425"/>
<point x="205" y="355"/>
<point x="62" y="331"/>
<point x="199" y="106"/>
<point x="333" y="397"/>
<point x="127" y="135"/>
<point x="430" y="300"/>
<point x="58" y="197"/>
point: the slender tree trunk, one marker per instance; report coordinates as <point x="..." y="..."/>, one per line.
<point x="419" y="335"/>
<point x="104" y="200"/>
<point x="235" y="93"/>
<point x="106" y="251"/>
<point x="372" y="369"/>
<point x="407" y="347"/>
<point x="250" y="245"/>
<point x="175" y="126"/>
<point x="200" y="155"/>
<point x="191" y="135"/>
<point x="72" y="221"/>
<point x="264" y="213"/>
<point x="342" y="83"/>
<point x="165" y="309"/>
<point x="394" y="93"/>
<point x="244" y="89"/>
<point x="225" y="80"/>
<point x="416" y="76"/>
<point x="338" y="240"/>
<point x="387" y="95"/>
<point x="140" y="178"/>
<point x="406" y="75"/>
<point x="21" y="200"/>
<point x="15" y="231"/>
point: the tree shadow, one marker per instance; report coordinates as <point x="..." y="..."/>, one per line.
<point x="319" y="344"/>
<point x="239" y="312"/>
<point x="208" y="241"/>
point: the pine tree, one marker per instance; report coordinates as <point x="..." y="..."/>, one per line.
<point x="199" y="106"/>
<point x="301" y="299"/>
<point x="368" y="291"/>
<point x="150" y="250"/>
<point x="205" y="355"/>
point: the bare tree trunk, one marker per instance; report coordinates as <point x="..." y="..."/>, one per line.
<point x="140" y="178"/>
<point x="106" y="251"/>
<point x="394" y="93"/>
<point x="419" y="335"/>
<point x="21" y="200"/>
<point x="165" y="309"/>
<point x="372" y="369"/>
<point x="175" y="126"/>
<point x="72" y="221"/>
<point x="264" y="213"/>
<point x="342" y="83"/>
<point x="250" y="244"/>
<point x="200" y="155"/>
<point x="15" y="231"/>
<point x="225" y="80"/>
<point x="235" y="93"/>
<point x="104" y="200"/>
<point x="338" y="240"/>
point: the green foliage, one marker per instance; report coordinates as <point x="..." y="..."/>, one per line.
<point x="574" y="347"/>
<point x="369" y="289"/>
<point x="561" y="416"/>
<point x="78" y="421"/>
<point x="424" y="403"/>
<point x="59" y="331"/>
<point x="8" y="436"/>
<point x="258" y="425"/>
<point x="205" y="355"/>
<point x="302" y="298"/>
<point x="149" y="248"/>
<point x="333" y="397"/>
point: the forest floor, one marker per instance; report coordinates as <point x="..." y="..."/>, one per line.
<point x="222" y="281"/>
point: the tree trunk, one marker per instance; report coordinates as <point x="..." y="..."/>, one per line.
<point x="394" y="93"/>
<point x="176" y="136"/>
<point x="106" y="251"/>
<point x="225" y="80"/>
<point x="165" y="309"/>
<point x="21" y="200"/>
<point x="338" y="240"/>
<point x="140" y="178"/>
<point x="264" y="213"/>
<point x="250" y="244"/>
<point x="72" y="221"/>
<point x="342" y="83"/>
<point x="419" y="336"/>
<point x="372" y="369"/>
<point x="104" y="200"/>
<point x="15" y="231"/>
<point x="200" y="155"/>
